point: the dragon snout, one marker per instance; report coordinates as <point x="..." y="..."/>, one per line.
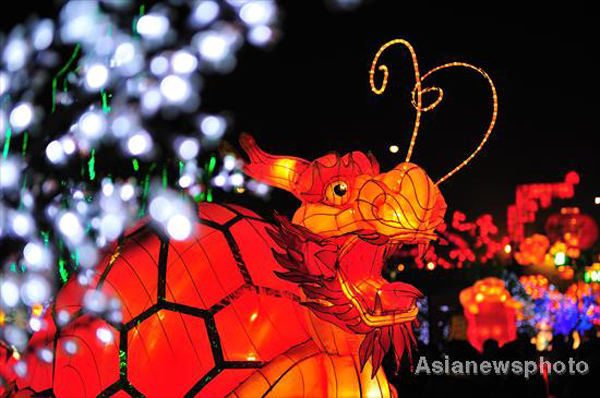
<point x="403" y="202"/>
<point x="396" y="296"/>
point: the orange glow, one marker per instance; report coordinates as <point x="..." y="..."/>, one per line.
<point x="532" y="251"/>
<point x="36" y="310"/>
<point x="535" y="285"/>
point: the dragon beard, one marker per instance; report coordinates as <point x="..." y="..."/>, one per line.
<point x="311" y="261"/>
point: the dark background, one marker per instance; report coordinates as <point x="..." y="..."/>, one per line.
<point x="310" y="94"/>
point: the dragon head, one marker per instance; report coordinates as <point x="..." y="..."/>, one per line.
<point x="351" y="219"/>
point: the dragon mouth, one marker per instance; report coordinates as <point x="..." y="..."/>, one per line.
<point x="379" y="302"/>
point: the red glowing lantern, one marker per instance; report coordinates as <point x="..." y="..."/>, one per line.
<point x="490" y="311"/>
<point x="576" y="229"/>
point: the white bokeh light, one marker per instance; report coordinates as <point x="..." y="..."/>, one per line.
<point x="4" y="87"/>
<point x="10" y="172"/>
<point x="15" y="54"/>
<point x="35" y="290"/>
<point x="185" y="181"/>
<point x="96" y="77"/>
<point x="179" y="227"/>
<point x="55" y="152"/>
<point x="92" y="124"/>
<point x="219" y="180"/>
<point x="104" y="335"/>
<point x="184" y="62"/>
<point x="257" y="12"/>
<point x="36" y="256"/>
<point x="127" y="192"/>
<point x="9" y="293"/>
<point x="260" y="35"/>
<point x="159" y="65"/>
<point x="236" y="179"/>
<point x="213" y="47"/>
<point x="35" y="324"/>
<point x="140" y="143"/>
<point x="69" y="226"/>
<point x="175" y="89"/>
<point x="68" y="145"/>
<point x="124" y="53"/>
<point x="151" y="101"/>
<point x="153" y="26"/>
<point x="111" y="226"/>
<point x="160" y="209"/>
<point x="21" y="116"/>
<point x="43" y="34"/>
<point x="70" y="347"/>
<point x="22" y="224"/>
<point x="229" y="162"/>
<point x="188" y="148"/>
<point x="213" y="126"/>
<point x="205" y="12"/>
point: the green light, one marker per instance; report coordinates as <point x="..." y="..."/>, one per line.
<point x="60" y="73"/>
<point x="122" y="363"/>
<point x="91" y="165"/>
<point x="105" y="106"/>
<point x="64" y="275"/>
<point x="211" y="165"/>
<point x="25" y="139"/>
<point x="7" y="143"/>
<point x="136" y="165"/>
<point x="165" y="177"/>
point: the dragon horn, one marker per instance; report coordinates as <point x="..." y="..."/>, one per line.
<point x="277" y="171"/>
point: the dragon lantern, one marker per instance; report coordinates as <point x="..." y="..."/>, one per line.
<point x="251" y="308"/>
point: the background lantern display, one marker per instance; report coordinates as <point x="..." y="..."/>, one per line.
<point x="576" y="229"/>
<point x="535" y="285"/>
<point x="490" y="311"/>
<point x="532" y="251"/>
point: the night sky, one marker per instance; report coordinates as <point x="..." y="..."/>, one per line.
<point x="310" y="94"/>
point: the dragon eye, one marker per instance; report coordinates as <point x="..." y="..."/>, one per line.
<point x="340" y="189"/>
<point x="337" y="193"/>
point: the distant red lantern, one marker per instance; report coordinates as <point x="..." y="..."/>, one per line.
<point x="490" y="311"/>
<point x="576" y="229"/>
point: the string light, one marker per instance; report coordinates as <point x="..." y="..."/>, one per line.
<point x="418" y="92"/>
